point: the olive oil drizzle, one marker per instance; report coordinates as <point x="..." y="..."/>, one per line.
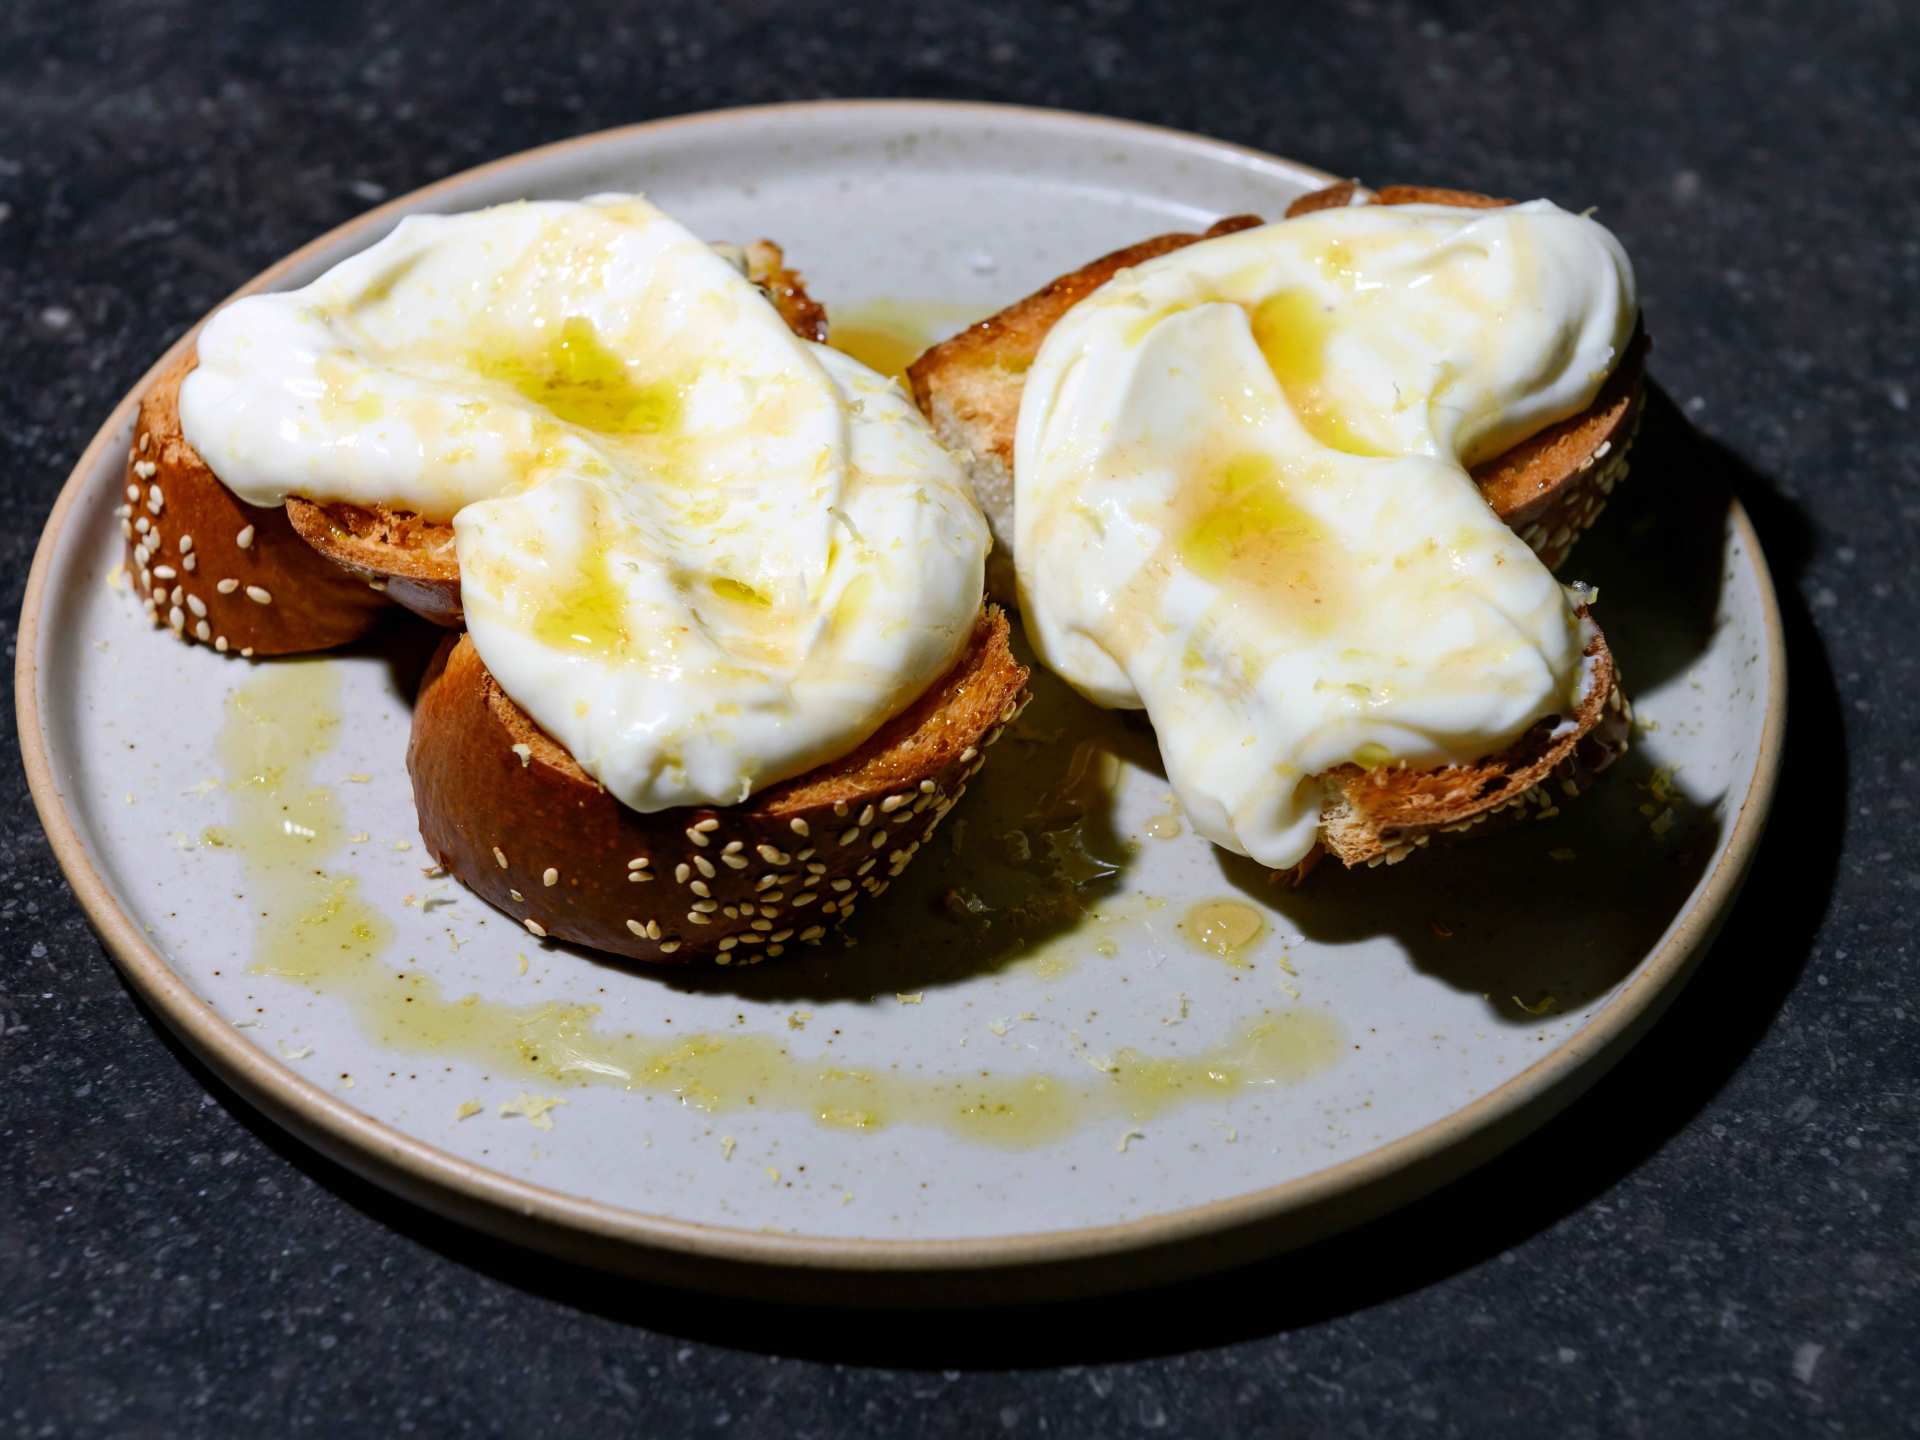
<point x="1227" y="928"/>
<point x="889" y="335"/>
<point x="314" y="929"/>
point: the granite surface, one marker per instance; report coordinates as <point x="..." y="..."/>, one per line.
<point x="1721" y="1238"/>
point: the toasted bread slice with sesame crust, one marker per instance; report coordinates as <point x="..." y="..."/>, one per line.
<point x="306" y="577"/>
<point x="215" y="569"/>
<point x="413" y="559"/>
<point x="1549" y="488"/>
<point x="512" y="815"/>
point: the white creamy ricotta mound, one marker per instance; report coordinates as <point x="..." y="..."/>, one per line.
<point x="702" y="553"/>
<point x="1242" y="500"/>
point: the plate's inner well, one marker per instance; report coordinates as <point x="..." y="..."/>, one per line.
<point x="1068" y="1010"/>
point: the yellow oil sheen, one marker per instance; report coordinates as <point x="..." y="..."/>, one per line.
<point x="579" y="379"/>
<point x="1292" y="330"/>
<point x="586" y="612"/>
<point x="889" y="335"/>
<point x="1246" y="533"/>
<point x="315" y="930"/>
<point x="309" y="921"/>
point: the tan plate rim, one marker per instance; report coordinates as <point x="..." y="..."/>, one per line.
<point x="1085" y="1261"/>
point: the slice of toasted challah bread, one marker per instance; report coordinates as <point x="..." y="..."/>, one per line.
<point x="215" y="569"/>
<point x="510" y="813"/>
<point x="398" y="551"/>
<point x="1382" y="815"/>
<point x="1549" y="488"/>
<point x="413" y="558"/>
<point x="251" y="586"/>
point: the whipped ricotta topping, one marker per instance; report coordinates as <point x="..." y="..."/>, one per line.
<point x="1242" y="498"/>
<point x="703" y="554"/>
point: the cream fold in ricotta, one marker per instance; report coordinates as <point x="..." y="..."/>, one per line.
<point x="1242" y="498"/>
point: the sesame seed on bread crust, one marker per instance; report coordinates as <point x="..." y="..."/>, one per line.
<point x="512" y="815"/>
<point x="214" y="569"/>
<point x="1549" y="488"/>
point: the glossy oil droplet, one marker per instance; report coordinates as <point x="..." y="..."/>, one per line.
<point x="1225" y="928"/>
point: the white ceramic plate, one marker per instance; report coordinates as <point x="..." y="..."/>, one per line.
<point x="1424" y="1016"/>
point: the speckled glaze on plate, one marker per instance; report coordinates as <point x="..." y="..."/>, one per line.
<point x="1453" y="1002"/>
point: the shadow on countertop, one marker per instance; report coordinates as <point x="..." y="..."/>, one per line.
<point x="1651" y="1096"/>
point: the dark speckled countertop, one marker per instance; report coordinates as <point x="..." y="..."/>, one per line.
<point x="1720" y="1239"/>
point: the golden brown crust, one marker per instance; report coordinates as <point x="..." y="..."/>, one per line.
<point x="1381" y="815"/>
<point x="1343" y="193"/>
<point x="1336" y="196"/>
<point x="271" y="595"/>
<point x="393" y="550"/>
<point x="767" y="268"/>
<point x="1434" y="195"/>
<point x="413" y="559"/>
<point x="738" y="883"/>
